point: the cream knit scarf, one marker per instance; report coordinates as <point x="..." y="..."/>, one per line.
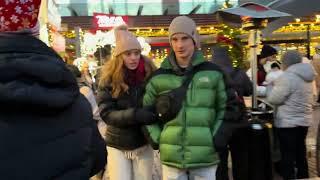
<point x="133" y="154"/>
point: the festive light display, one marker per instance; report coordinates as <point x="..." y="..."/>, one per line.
<point x="146" y="48"/>
<point x="225" y="36"/>
<point x="299" y="27"/>
<point x="158" y="55"/>
<point x="93" y="41"/>
<point x="154" y="32"/>
<point x="230" y="39"/>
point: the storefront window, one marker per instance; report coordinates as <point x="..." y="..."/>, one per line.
<point x="147" y="7"/>
<point x="205" y="6"/>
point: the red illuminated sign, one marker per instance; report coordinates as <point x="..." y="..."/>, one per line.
<point x="106" y="21"/>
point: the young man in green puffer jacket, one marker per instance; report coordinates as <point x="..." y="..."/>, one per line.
<point x="186" y="141"/>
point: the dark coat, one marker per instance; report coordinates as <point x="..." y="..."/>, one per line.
<point x="124" y="127"/>
<point x="46" y="126"/>
<point x="241" y="82"/>
<point x="261" y="75"/>
<point x="236" y="81"/>
<point x="123" y="130"/>
<point x="237" y="78"/>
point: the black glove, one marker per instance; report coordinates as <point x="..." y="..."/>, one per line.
<point x="145" y="115"/>
<point x="163" y="109"/>
<point x="150" y="108"/>
<point x="163" y="105"/>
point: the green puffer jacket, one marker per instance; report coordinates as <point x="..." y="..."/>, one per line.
<point x="187" y="140"/>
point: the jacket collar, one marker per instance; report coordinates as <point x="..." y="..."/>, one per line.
<point x="170" y="61"/>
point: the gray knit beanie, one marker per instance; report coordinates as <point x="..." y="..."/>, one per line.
<point x="291" y="57"/>
<point x="184" y="24"/>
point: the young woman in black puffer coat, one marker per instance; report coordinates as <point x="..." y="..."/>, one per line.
<point x="120" y="93"/>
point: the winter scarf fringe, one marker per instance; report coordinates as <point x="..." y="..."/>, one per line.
<point x="135" y="153"/>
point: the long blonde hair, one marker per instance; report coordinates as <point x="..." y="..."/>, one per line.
<point x="112" y="73"/>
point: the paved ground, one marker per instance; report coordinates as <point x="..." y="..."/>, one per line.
<point x="311" y="145"/>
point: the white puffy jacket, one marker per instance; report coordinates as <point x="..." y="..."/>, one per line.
<point x="292" y="94"/>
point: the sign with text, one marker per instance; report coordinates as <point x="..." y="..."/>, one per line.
<point x="106" y="21"/>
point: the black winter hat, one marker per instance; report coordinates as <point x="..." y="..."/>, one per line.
<point x="267" y="51"/>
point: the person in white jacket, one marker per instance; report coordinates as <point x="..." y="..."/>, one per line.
<point x="272" y="76"/>
<point x="292" y="94"/>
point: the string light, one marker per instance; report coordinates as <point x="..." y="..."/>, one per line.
<point x="299" y="27"/>
<point x="317" y="18"/>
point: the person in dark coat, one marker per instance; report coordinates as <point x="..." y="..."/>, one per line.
<point x="267" y="54"/>
<point x="46" y="126"/>
<point x="120" y="92"/>
<point x="236" y="132"/>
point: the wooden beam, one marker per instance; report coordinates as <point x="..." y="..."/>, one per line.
<point x="159" y="21"/>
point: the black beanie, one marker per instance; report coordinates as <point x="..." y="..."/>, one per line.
<point x="267" y="51"/>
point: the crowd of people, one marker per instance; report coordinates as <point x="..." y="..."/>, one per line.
<point x="189" y="110"/>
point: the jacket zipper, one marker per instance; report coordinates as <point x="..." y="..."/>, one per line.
<point x="184" y="132"/>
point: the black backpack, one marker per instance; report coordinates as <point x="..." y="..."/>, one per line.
<point x="236" y="110"/>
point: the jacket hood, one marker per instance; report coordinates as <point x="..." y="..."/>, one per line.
<point x="303" y="70"/>
<point x="220" y="57"/>
<point x="33" y="76"/>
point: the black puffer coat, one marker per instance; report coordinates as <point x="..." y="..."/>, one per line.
<point x="46" y="126"/>
<point x="123" y="131"/>
<point x="123" y="127"/>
